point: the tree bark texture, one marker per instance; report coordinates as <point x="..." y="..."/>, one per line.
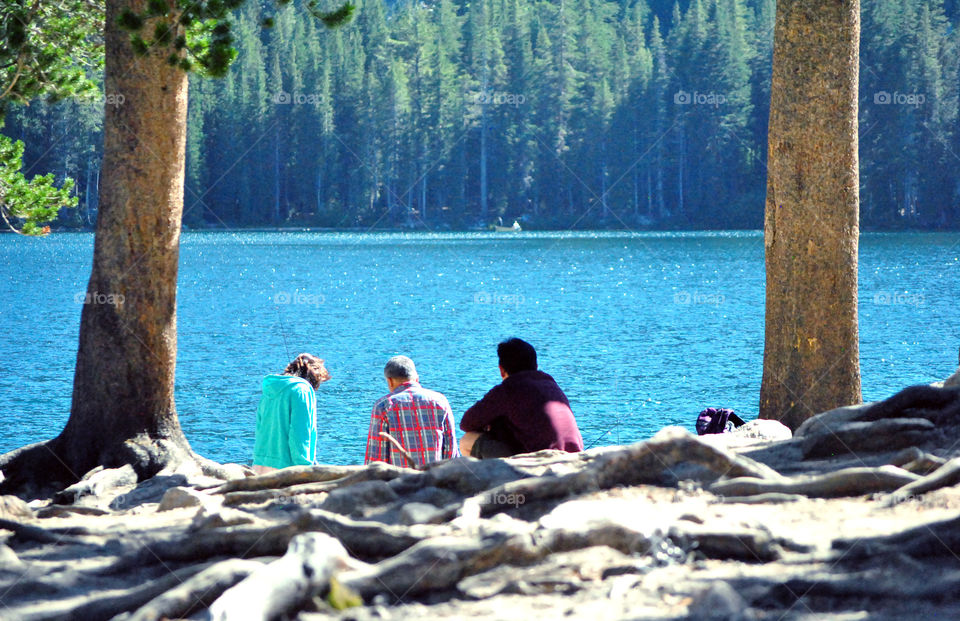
<point x="811" y="352"/>
<point x="123" y="387"/>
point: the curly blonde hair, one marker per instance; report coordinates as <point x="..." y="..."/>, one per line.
<point x="310" y="368"/>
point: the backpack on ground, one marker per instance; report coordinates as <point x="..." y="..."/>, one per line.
<point x="717" y="420"/>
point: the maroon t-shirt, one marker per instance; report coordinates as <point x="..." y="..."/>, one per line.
<point x="529" y="411"/>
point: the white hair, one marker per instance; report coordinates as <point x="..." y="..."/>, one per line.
<point x="400" y="367"/>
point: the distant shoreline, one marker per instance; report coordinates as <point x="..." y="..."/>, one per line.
<point x="318" y="229"/>
<point x="507" y="234"/>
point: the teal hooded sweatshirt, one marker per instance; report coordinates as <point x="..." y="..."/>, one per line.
<point x="286" y="423"/>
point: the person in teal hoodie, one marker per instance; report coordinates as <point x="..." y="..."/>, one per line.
<point x="287" y="416"/>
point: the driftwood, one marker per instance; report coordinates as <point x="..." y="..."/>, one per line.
<point x="831" y="420"/>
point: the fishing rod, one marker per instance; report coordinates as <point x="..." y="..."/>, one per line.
<point x="399" y="447"/>
<point x="283" y="332"/>
<point x="616" y="424"/>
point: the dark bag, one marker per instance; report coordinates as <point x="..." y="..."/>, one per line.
<point x="717" y="420"/>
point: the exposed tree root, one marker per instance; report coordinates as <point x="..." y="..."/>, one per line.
<point x="284" y="490"/>
<point x="28" y="532"/>
<point x="948" y="474"/>
<point x="862" y="587"/>
<point x="106" y="604"/>
<point x="762" y="498"/>
<point x="61" y="469"/>
<point x="285" y="585"/>
<point x="938" y="405"/>
<point x="197" y="593"/>
<point x="35" y="471"/>
<point x="752" y="546"/>
<point x="917" y="461"/>
<point x="286" y="477"/>
<point x="915" y="416"/>
<point x="669" y="457"/>
<point x="869" y="437"/>
<point x="96" y="483"/>
<point x="846" y="482"/>
<point x="406" y="534"/>
<point x="364" y="540"/>
<point x="936" y="540"/>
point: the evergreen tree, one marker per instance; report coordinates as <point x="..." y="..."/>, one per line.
<point x="608" y="113"/>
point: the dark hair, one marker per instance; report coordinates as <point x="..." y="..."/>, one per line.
<point x="310" y="368"/>
<point x="517" y="355"/>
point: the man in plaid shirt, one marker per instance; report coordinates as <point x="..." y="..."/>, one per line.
<point x="419" y="419"/>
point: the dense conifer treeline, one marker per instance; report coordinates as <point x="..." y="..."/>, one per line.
<point x="451" y="113"/>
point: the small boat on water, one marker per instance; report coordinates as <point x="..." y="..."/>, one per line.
<point x="499" y="228"/>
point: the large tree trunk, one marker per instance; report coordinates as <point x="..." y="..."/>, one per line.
<point x="123" y="386"/>
<point x="123" y="407"/>
<point x="811" y="354"/>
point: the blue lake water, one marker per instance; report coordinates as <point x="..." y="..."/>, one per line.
<point x="641" y="330"/>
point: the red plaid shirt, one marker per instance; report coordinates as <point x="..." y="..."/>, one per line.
<point x="419" y="419"/>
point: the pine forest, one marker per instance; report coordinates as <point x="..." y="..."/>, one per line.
<point x="450" y="114"/>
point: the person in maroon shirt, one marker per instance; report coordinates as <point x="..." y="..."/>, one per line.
<point x="526" y="412"/>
